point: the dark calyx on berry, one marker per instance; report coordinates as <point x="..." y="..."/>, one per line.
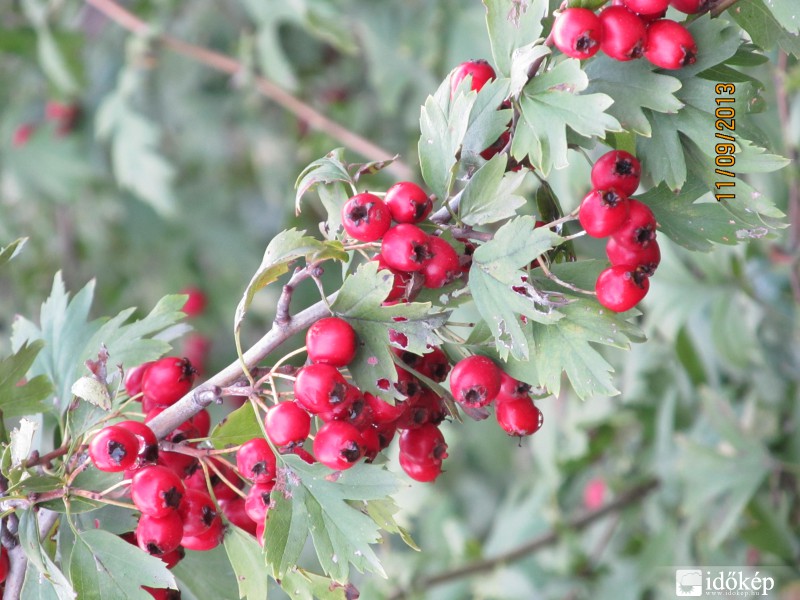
<point x="116" y="451"/>
<point x="351" y="452"/>
<point x="611" y="198"/>
<point x="172" y="497"/>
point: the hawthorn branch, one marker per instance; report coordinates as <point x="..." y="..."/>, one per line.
<point x="721" y="6"/>
<point x="624" y="500"/>
<point x="267" y="88"/>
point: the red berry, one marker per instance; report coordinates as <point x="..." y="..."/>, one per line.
<point x="435" y="365"/>
<point x="338" y="445"/>
<point x="603" y="212"/>
<point x="519" y="417"/>
<point x="577" y="32"/>
<point x="382" y="411"/>
<point x="480" y="70"/>
<point x="235" y="512"/>
<point x="319" y="388"/>
<point x="201" y="423"/>
<point x="171" y="559"/>
<point x="22" y="134"/>
<point x="256" y="461"/>
<point x="183" y="465"/>
<point x="594" y="493"/>
<point x="423" y="444"/>
<point x="497" y="146"/>
<point x="621" y="288"/>
<point x="639" y="230"/>
<point x="163" y="593"/>
<point x="408" y="202"/>
<point x="400" y="284"/>
<point x="287" y="425"/>
<point x="475" y="381"/>
<point x="332" y="341"/>
<point x="645" y="259"/>
<point x="443" y="266"/>
<point x="624" y="33"/>
<point x="366" y="217"/>
<point x="197" y="510"/>
<point x="425" y="472"/>
<point x="184" y="431"/>
<point x="133" y="380"/>
<point x="196" y="302"/>
<point x="147" y="450"/>
<point x="167" y="380"/>
<point x="669" y="45"/>
<point x="511" y="389"/>
<point x="208" y="540"/>
<point x="406" y="247"/>
<point x="156" y="491"/>
<point x="618" y="170"/>
<point x="114" y="449"/>
<point x="258" y="500"/>
<point x="196" y="349"/>
<point x="647" y="7"/>
<point x="690" y="7"/>
<point x="159" y="535"/>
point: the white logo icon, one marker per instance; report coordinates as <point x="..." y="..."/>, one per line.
<point x="689" y="582"/>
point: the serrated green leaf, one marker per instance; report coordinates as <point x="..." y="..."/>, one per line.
<point x="382" y="512"/>
<point x="489" y="196"/>
<point x="103" y="565"/>
<point x="302" y="585"/>
<point x="498" y="289"/>
<point x="238" y="427"/>
<point x="18" y="398"/>
<point x="285" y="534"/>
<point x="550" y="104"/>
<point x="326" y="170"/>
<point x="341" y="533"/>
<point x="512" y="25"/>
<point x="49" y="574"/>
<point x="92" y="391"/>
<point x="359" y="302"/>
<point x="487" y="121"/>
<point x="765" y="30"/>
<point x="633" y="86"/>
<point x="247" y="561"/>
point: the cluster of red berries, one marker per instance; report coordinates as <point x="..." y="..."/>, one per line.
<point x="626" y="30"/>
<point x="63" y="115"/>
<point x="609" y="211"/>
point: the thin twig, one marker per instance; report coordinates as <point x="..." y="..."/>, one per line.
<point x="721" y="6"/>
<point x="226" y="64"/>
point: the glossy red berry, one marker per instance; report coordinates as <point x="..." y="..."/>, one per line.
<point x="646" y="258"/>
<point x="147" y="449"/>
<point x="669" y="45"/>
<point x="480" y="71"/>
<point x="511" y="389"/>
<point x="366" y="217"/>
<point x="444" y="265"/>
<point x="400" y="283"/>
<point x="435" y="365"/>
<point x="624" y="33"/>
<point x="424" y="472"/>
<point x="202" y="423"/>
<point x="167" y="380"/>
<point x="647" y="7"/>
<point x="159" y="535"/>
<point x="338" y="445"/>
<point x="258" y="501"/>
<point x="577" y="32"/>
<point x="423" y="444"/>
<point x="475" y="381"/>
<point x="690" y="7"/>
<point x="621" y="288"/>
<point x="196" y="301"/>
<point x="332" y="341"/>
<point x="256" y="461"/>
<point x="382" y="411"/>
<point x="602" y="212"/>
<point x="406" y="247"/>
<point x="156" y="491"/>
<point x="639" y="229"/>
<point x="287" y="425"/>
<point x="208" y="540"/>
<point x="319" y="388"/>
<point x="235" y="512"/>
<point x="114" y="449"/>
<point x="197" y="510"/>
<point x="133" y="379"/>
<point x="408" y="202"/>
<point x="519" y="417"/>
<point x="617" y="170"/>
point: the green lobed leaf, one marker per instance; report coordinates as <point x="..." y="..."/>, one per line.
<point x="300" y="584"/>
<point x="327" y="170"/>
<point x="489" y="195"/>
<point x="18" y="398"/>
<point x="47" y="573"/>
<point x="512" y="25"/>
<point x="247" y="561"/>
<point x="487" y="121"/>
<point x="103" y="565"/>
<point x="764" y="28"/>
<point x="321" y="503"/>
<point x="550" y="104"/>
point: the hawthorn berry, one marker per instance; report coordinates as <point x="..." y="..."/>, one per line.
<point x="423" y="444"/>
<point x="406" y="247"/>
<point x="617" y="170"/>
<point x="639" y="229"/>
<point x="511" y="389"/>
<point x="624" y="33"/>
<point x="147" y="450"/>
<point x="382" y="411"/>
<point x="519" y="417"/>
<point x="690" y="7"/>
<point x="332" y="341"/>
<point x="622" y="287"/>
<point x="167" y="380"/>
<point x="201" y="423"/>
<point x="400" y="283"/>
<point x="443" y="265"/>
<point x="338" y="445"/>
<point x="22" y="134"/>
<point x="425" y="471"/>
<point x="287" y="425"/>
<point x="163" y="593"/>
<point x="408" y="202"/>
<point x="235" y="512"/>
<point x="196" y="301"/>
<point x="435" y="365"/>
<point x="319" y="387"/>
<point x="133" y="379"/>
<point x="479" y="69"/>
<point x="159" y="535"/>
<point x="258" y="500"/>
<point x="602" y="212"/>
<point x="183" y="465"/>
<point x="577" y="32"/>
<point x="646" y="258"/>
<point x="197" y="510"/>
<point x="647" y="7"/>
<point x="366" y="217"/>
<point x="475" y="381"/>
<point x="256" y="461"/>
<point x="157" y="491"/>
<point x="114" y="449"/>
<point x="208" y="540"/>
<point x="669" y="45"/>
